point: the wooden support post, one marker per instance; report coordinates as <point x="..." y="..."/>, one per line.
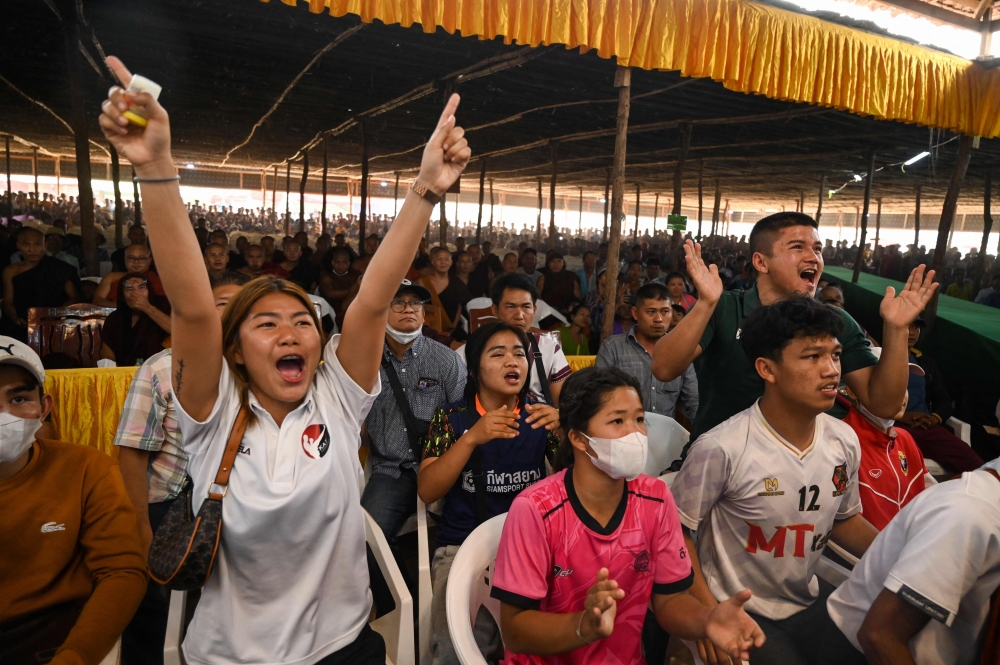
<point x="802" y="201"/>
<point x="822" y="195"/>
<point x="675" y="237"/>
<point x="607" y="205"/>
<point x="635" y="236"/>
<point x="580" y="225"/>
<point x="916" y="223"/>
<point x="116" y="184"/>
<point x="878" y="224"/>
<point x="443" y="224"/>
<point x="552" y="194"/>
<point x="363" y="212"/>
<point x="701" y="172"/>
<point x="136" y="203"/>
<point x="10" y="199"/>
<point x="326" y="168"/>
<point x="34" y="170"/>
<point x="857" y="223"/>
<point x="715" y="211"/>
<point x="482" y="194"/>
<point x="623" y="80"/>
<point x="491" y="207"/>
<point x="859" y="259"/>
<point x="395" y="198"/>
<point x="538" y="222"/>
<point x="85" y="195"/>
<point x="951" y="204"/>
<point x="987" y="227"/>
<point x="656" y="209"/>
<point x="274" y="195"/>
<point x="288" y="196"/>
<point x="302" y="191"/>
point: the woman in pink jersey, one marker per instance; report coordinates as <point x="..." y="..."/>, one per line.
<point x="584" y="551"/>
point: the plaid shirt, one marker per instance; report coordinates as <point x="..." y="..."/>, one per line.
<point x="431" y="375"/>
<point x="149" y="422"/>
<point x="625" y="353"/>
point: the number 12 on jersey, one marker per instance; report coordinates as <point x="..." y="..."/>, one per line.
<point x="812" y="489"/>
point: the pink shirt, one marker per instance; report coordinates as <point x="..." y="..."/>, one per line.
<point x="552" y="549"/>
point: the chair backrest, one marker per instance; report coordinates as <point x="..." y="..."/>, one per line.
<point x="479" y="303"/>
<point x="433" y="318"/>
<point x="74" y="330"/>
<point x="666" y="441"/>
<point x="469" y="584"/>
<point x="396" y="627"/>
<point x="478" y="317"/>
<point x="543" y="310"/>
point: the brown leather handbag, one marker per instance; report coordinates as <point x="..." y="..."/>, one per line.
<point x="183" y="551"/>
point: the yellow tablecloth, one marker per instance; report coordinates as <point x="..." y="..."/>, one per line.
<point x="88" y="403"/>
<point x="576" y="363"/>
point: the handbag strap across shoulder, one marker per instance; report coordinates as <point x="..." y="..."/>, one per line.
<point x="229" y="456"/>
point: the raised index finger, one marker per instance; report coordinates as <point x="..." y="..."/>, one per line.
<point x="120" y="71"/>
<point x="449" y="109"/>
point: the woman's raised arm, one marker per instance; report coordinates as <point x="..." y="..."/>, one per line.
<point x="360" y="349"/>
<point x="195" y="325"/>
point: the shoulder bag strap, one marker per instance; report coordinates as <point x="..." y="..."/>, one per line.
<point x="229" y="456"/>
<point x="478" y="478"/>
<point x="543" y="379"/>
<point x="404" y="405"/>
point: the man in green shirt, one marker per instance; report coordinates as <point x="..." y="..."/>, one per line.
<point x="787" y="254"/>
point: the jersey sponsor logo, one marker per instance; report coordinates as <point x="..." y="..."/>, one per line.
<point x="641" y="563"/>
<point x="51" y="527"/>
<point x="315" y="441"/>
<point x="840" y="479"/>
<point x="500" y="482"/>
<point x="757" y="541"/>
<point x="467" y="483"/>
<point x="559" y="571"/>
<point x="904" y="464"/>
<point x="244" y="450"/>
<point x="771" y="488"/>
<point x="874" y="473"/>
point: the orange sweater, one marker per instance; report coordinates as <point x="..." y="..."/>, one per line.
<point x="69" y="533"/>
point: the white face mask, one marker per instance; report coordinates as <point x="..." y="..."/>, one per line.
<point x="16" y="436"/>
<point x="620" y="458"/>
<point x="402" y="337"/>
<point x="884" y="423"/>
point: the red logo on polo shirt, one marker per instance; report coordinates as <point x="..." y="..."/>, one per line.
<point x="315" y="441"/>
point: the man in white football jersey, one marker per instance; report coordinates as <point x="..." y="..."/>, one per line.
<point x="765" y="490"/>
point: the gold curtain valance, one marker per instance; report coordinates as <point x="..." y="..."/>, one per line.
<point x="88" y="404"/>
<point x="748" y="47"/>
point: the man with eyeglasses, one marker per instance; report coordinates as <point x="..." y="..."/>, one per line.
<point x="137" y="258"/>
<point x="418" y="375"/>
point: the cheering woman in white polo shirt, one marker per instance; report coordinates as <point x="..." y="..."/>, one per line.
<point x="290" y="584"/>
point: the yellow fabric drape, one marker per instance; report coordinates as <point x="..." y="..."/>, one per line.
<point x="88" y="403"/>
<point x="748" y="47"/>
<point x="576" y="363"/>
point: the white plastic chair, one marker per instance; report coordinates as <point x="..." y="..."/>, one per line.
<point x="114" y="656"/>
<point x="323" y="309"/>
<point x="425" y="590"/>
<point x="831" y="571"/>
<point x="962" y="430"/>
<point x="543" y="309"/>
<point x="469" y="585"/>
<point x="479" y="303"/>
<point x="667" y="439"/>
<point x="396" y="627"/>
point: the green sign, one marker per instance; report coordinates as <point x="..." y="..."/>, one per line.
<point x="677" y="222"/>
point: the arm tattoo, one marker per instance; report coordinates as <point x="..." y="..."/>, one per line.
<point x="178" y="378"/>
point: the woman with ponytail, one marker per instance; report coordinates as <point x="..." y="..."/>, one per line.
<point x="586" y="551"/>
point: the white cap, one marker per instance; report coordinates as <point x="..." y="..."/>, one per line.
<point x="914" y="368"/>
<point x="13" y="352"/>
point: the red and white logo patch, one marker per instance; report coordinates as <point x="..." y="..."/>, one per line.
<point x="315" y="441"/>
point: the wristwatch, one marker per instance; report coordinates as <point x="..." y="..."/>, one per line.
<point x="424" y="192"/>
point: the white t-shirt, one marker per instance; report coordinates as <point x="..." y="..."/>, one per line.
<point x="290" y="584"/>
<point x="764" y="510"/>
<point x="553" y="361"/>
<point x="941" y="553"/>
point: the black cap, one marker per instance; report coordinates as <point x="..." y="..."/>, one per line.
<point x="919" y="322"/>
<point x="416" y="289"/>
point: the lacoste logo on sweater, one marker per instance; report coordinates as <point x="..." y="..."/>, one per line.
<point x="49" y="527"/>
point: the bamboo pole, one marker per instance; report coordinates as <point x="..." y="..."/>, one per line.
<point x="302" y="191"/>
<point x="34" y="170"/>
<point x="580" y="231"/>
<point x="288" y="196"/>
<point x="675" y="237"/>
<point x="916" y="223"/>
<point x="656" y="209"/>
<point x="987" y="227"/>
<point x="326" y="169"/>
<point x="116" y="184"/>
<point x="623" y="83"/>
<point x="607" y="203"/>
<point x="491" y="206"/>
<point x="948" y="217"/>
<point x="822" y="195"/>
<point x="715" y="211"/>
<point x="274" y="195"/>
<point x="878" y="224"/>
<point x="552" y="194"/>
<point x="859" y="259"/>
<point x="482" y="194"/>
<point x="85" y="195"/>
<point x="538" y="222"/>
<point x="701" y="171"/>
<point x="363" y="211"/>
<point x="635" y="236"/>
